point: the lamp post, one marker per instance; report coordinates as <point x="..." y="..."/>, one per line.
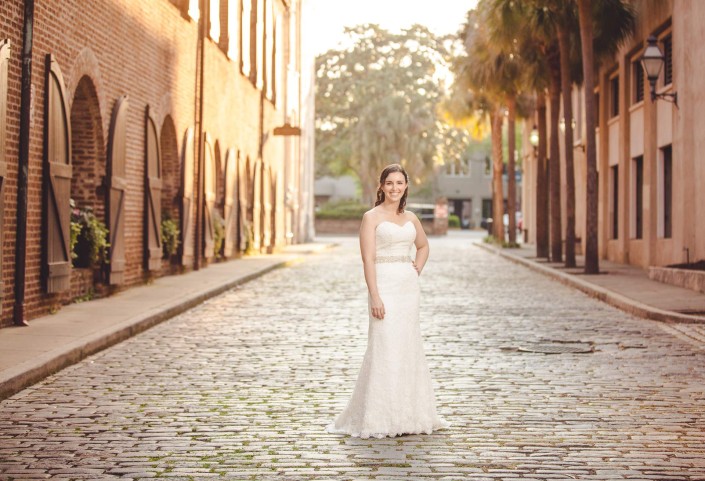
<point x="652" y="60"/>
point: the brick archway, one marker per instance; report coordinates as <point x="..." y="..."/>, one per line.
<point x="219" y="188"/>
<point x="88" y="149"/>
<point x="219" y="178"/>
<point x="171" y="170"/>
<point x="86" y="65"/>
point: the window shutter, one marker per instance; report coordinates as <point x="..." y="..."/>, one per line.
<point x="57" y="182"/>
<point x="187" y="166"/>
<point x="231" y="203"/>
<point x="257" y="210"/>
<point x="209" y="204"/>
<point x="153" y="195"/>
<point x="244" y="198"/>
<point x="117" y="187"/>
<point x="4" y="65"/>
<point x="267" y="207"/>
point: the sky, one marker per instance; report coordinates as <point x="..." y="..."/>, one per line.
<point x="331" y="16"/>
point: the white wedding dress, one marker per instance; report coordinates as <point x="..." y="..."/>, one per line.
<point x="393" y="394"/>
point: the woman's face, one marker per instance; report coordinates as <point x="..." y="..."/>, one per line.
<point x="394" y="186"/>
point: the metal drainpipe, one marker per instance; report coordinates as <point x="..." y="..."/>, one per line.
<point x="202" y="22"/>
<point x="23" y="164"/>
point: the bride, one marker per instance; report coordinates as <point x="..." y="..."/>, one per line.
<point x="393" y="394"/>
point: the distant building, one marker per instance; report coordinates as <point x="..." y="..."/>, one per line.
<point x="467" y="185"/>
<point x="333" y="189"/>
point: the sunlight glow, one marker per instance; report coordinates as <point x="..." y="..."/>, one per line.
<point x="332" y="16"/>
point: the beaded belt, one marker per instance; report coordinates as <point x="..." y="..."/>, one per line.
<point x="385" y="259"/>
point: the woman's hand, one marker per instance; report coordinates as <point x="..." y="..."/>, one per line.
<point x="377" y="308"/>
<point x="418" y="270"/>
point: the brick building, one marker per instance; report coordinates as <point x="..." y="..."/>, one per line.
<point x="111" y="115"/>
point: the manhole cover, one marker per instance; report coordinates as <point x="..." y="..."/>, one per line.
<point x="558" y="348"/>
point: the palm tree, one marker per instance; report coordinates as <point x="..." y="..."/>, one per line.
<point x="612" y="21"/>
<point x="568" y="24"/>
<point x="528" y="30"/>
<point x="591" y="255"/>
<point x="511" y="75"/>
<point x="542" y="234"/>
<point x="489" y="72"/>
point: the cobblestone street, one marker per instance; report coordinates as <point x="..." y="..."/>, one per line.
<point x="242" y="386"/>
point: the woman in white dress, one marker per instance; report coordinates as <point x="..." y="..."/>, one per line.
<point x="393" y="394"/>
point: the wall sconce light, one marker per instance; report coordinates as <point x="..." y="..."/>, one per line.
<point x="534" y="137"/>
<point x="561" y="124"/>
<point x="652" y="60"/>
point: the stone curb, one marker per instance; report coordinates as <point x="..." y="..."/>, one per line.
<point x="612" y="298"/>
<point x="17" y="378"/>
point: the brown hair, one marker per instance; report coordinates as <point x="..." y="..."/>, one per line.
<point x="383" y="176"/>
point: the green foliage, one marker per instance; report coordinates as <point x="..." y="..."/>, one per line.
<point x="377" y="102"/>
<point x="219" y="233"/>
<point x="170" y="236"/>
<point x="510" y="245"/>
<point x="344" y="209"/>
<point x="249" y="237"/>
<point x="89" y="238"/>
<point x="76" y="228"/>
<point x="88" y="296"/>
<point x="453" y="221"/>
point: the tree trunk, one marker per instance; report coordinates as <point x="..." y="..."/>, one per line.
<point x="541" y="180"/>
<point x="497" y="167"/>
<point x="511" y="180"/>
<point x="592" y="265"/>
<point x="554" y="158"/>
<point x="564" y="46"/>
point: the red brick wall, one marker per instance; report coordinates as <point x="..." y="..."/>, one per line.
<point x="87" y="150"/>
<point x="11" y="27"/>
<point x="146" y="50"/>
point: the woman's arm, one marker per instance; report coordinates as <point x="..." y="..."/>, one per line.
<point x="421" y="243"/>
<point x="367" y="249"/>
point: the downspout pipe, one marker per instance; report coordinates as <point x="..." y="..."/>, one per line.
<point x="23" y="164"/>
<point x="200" y="74"/>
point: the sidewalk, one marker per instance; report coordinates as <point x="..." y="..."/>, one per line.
<point x="53" y="342"/>
<point x="623" y="286"/>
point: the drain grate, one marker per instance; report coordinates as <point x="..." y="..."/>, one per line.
<point x="556" y="348"/>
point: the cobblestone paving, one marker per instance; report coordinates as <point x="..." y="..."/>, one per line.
<point x="242" y="386"/>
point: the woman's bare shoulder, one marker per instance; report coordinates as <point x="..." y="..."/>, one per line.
<point x="371" y="214"/>
<point x="410" y="216"/>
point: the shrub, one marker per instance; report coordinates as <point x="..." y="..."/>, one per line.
<point x="249" y="237"/>
<point x="453" y="221"/>
<point x="89" y="238"/>
<point x="344" y="209"/>
<point x="218" y="234"/>
<point x="170" y="237"/>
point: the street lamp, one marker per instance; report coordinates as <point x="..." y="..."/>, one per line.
<point x="652" y="60"/>
<point x="534" y="137"/>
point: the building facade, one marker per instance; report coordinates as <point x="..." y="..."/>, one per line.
<point x="467" y="184"/>
<point x="134" y="116"/>
<point x="650" y="167"/>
